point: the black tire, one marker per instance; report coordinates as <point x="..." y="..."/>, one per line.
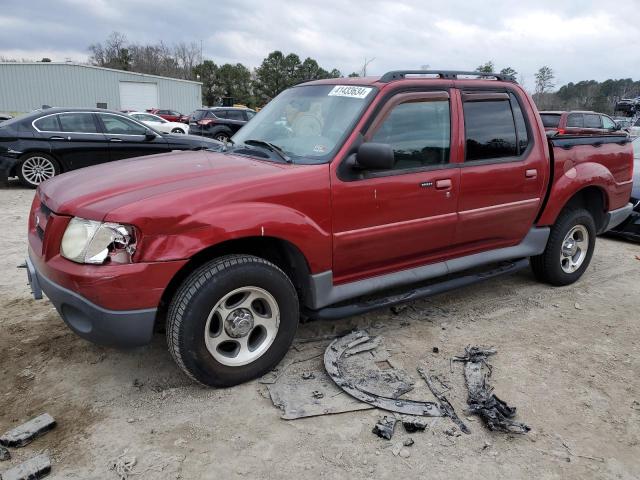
<point x="198" y="295"/>
<point x="547" y="266"/>
<point x="178" y="131"/>
<point x="222" y="135"/>
<point x="29" y="177"/>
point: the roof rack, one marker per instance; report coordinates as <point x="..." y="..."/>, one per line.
<point x="449" y="74"/>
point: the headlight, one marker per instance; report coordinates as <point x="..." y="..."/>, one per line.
<point x="88" y="241"/>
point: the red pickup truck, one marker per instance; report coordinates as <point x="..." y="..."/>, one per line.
<point x="338" y="192"/>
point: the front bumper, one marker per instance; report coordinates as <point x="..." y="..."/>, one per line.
<point x="121" y="328"/>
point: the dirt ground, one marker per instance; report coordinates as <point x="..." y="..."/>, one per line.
<point x="568" y="358"/>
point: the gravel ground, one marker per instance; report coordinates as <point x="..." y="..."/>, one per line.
<point x="568" y="358"/>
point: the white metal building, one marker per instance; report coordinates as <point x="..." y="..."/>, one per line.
<point x="27" y="86"/>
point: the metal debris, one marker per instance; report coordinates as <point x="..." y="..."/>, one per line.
<point x="445" y="405"/>
<point x="33" y="469"/>
<point x="408" y="442"/>
<point x="123" y="465"/>
<point x="414" y="424"/>
<point x="496" y="414"/>
<point x="308" y="375"/>
<point x="385" y="427"/>
<point x="4" y="454"/>
<point x="27" y="432"/>
<point x="363" y="379"/>
<point x="317" y="394"/>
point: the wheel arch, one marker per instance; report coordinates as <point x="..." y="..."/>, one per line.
<point x="13" y="171"/>
<point x="592" y="198"/>
<point x="282" y="253"/>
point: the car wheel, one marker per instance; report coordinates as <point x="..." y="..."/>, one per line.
<point x="222" y="137"/>
<point x="569" y="249"/>
<point x="35" y="168"/>
<point x="178" y="131"/>
<point x="232" y="320"/>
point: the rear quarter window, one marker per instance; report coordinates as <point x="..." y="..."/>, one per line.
<point x="550" y="120"/>
<point x="48" y="124"/>
<point x="575" y="120"/>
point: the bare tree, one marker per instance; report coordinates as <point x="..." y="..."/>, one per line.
<point x="544" y="80"/>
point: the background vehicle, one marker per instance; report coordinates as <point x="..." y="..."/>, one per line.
<point x="630" y="227"/>
<point x="220" y="123"/>
<point x="40" y="145"/>
<point x="170" y="115"/>
<point x="577" y="123"/>
<point x="371" y="184"/>
<point x="159" y="123"/>
<point x="623" y="123"/>
<point x="5" y="116"/>
<point x="634" y="130"/>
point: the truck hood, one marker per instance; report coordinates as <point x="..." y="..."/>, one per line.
<point x="95" y="191"/>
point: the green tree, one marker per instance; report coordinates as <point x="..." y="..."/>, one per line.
<point x="46" y="60"/>
<point x="508" y="71"/>
<point x="544" y="80"/>
<point x="487" y="67"/>
<point x="275" y="74"/>
<point x="234" y="81"/>
<point x="207" y="73"/>
<point x="354" y="74"/>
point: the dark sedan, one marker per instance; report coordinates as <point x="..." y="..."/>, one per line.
<point x="42" y="144"/>
<point x="630" y="228"/>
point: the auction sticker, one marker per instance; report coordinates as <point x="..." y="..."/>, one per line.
<point x="351" y="91"/>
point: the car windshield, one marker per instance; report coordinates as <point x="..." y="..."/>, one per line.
<point x="308" y="123"/>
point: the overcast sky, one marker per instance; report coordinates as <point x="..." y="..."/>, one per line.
<point x="579" y="39"/>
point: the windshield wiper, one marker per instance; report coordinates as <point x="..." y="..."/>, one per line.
<point x="271" y="147"/>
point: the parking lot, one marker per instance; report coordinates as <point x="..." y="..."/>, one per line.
<point x="567" y="359"/>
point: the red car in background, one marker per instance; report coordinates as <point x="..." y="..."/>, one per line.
<point x="170" y="115"/>
<point x="577" y="123"/>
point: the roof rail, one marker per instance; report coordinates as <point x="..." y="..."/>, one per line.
<point x="449" y="74"/>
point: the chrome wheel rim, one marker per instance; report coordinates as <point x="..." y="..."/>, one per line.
<point x="222" y="138"/>
<point x="177" y="131"/>
<point x="242" y="326"/>
<point x="574" y="249"/>
<point x="36" y="170"/>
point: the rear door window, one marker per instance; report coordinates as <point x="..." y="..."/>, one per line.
<point x="48" y="124"/>
<point x="592" y="121"/>
<point x="235" y="115"/>
<point x="575" y="120"/>
<point x="490" y="130"/>
<point x="77" y="122"/>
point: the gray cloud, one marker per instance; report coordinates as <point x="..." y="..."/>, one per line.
<point x="578" y="39"/>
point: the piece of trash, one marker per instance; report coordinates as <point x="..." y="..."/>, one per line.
<point x="396" y="309"/>
<point x="33" y="469"/>
<point x="408" y="442"/>
<point x="22" y="265"/>
<point x="123" y="465"/>
<point x="495" y="413"/>
<point x="405" y="453"/>
<point x="445" y="406"/>
<point x="414" y="424"/>
<point x="385" y="427"/>
<point x="308" y="375"/>
<point x="317" y="394"/>
<point x="452" y="432"/>
<point x="577" y="305"/>
<point x="363" y="379"/>
<point x="436" y="350"/>
<point x="27" y="432"/>
<point x="4" y="454"/>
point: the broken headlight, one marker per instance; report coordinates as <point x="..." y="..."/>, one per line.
<point x="89" y="241"/>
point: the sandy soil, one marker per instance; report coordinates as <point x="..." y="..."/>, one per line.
<point x="568" y="358"/>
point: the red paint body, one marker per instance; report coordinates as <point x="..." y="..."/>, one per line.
<point x="182" y="203"/>
<point x="169" y="115"/>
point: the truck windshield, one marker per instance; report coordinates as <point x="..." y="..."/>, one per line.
<point x="308" y="123"/>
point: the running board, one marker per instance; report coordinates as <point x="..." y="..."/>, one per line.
<point x="337" y="312"/>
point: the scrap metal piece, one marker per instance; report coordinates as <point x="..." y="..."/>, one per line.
<point x="334" y="357"/>
<point x="4" y="454"/>
<point x="445" y="405"/>
<point x="414" y="424"/>
<point x="495" y="413"/>
<point x="27" y="432"/>
<point x="385" y="427"/>
<point x="33" y="469"/>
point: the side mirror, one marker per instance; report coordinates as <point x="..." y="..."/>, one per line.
<point x="375" y="156"/>
<point x="149" y="135"/>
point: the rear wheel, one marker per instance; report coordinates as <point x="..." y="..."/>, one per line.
<point x="569" y="249"/>
<point x="35" y="168"/>
<point x="232" y="320"/>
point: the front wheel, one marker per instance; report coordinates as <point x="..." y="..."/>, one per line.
<point x="232" y="320"/>
<point x="569" y="249"/>
<point x="35" y="168"/>
<point x="178" y="131"/>
<point x="222" y="137"/>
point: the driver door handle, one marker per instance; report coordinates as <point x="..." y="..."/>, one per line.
<point x="115" y="140"/>
<point x="444" y="184"/>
